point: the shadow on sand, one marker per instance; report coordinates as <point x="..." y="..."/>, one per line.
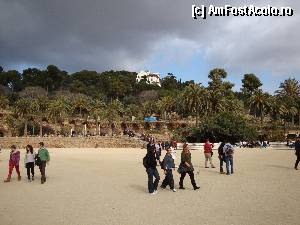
<point x="139" y="188"/>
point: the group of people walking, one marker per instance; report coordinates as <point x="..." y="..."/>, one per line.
<point x="152" y="160"/>
<point x="30" y="161"/>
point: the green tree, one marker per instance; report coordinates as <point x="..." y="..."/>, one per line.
<point x="260" y="102"/>
<point x="12" y="80"/>
<point x="23" y="109"/>
<point x="40" y="107"/>
<point x="251" y="84"/>
<point x="97" y="112"/>
<point x="192" y="99"/>
<point x="4" y="102"/>
<point x="114" y="112"/>
<point x="57" y="110"/>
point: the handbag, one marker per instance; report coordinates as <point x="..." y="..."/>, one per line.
<point x="181" y="168"/>
<point x="37" y="160"/>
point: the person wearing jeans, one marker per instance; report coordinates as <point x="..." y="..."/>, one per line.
<point x="229" y="161"/>
<point x="45" y="158"/>
<point x="14" y="160"/>
<point x="228" y="152"/>
<point x="151" y="169"/>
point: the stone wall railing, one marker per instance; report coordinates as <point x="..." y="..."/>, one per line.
<point x="73" y="142"/>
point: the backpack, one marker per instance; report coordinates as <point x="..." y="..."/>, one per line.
<point x="145" y="161"/>
<point x="228" y="150"/>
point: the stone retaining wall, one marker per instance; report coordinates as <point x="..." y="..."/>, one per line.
<point x="73" y="142"/>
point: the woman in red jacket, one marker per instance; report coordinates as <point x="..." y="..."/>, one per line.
<point x="208" y="153"/>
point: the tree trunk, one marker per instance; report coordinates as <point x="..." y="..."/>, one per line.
<point x="25" y="128"/>
<point x="261" y="117"/>
<point x="98" y="127"/>
<point x="41" y="128"/>
<point x="55" y="128"/>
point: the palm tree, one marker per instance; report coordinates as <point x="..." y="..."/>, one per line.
<point x="40" y="107"/>
<point x="114" y="111"/>
<point x="260" y="102"/>
<point x="166" y="105"/>
<point x="23" y="108"/>
<point x="192" y="99"/>
<point x="58" y="109"/>
<point x="97" y="112"/>
<point x="81" y="103"/>
<point x="133" y="110"/>
<point x="289" y="88"/>
<point x="293" y="112"/>
<point x="4" y="102"/>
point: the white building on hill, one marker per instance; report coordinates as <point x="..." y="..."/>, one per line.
<point x="152" y="78"/>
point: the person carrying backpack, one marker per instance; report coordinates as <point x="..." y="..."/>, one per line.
<point x="150" y="163"/>
<point x="228" y="152"/>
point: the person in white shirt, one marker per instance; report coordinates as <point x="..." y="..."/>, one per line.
<point x="29" y="162"/>
<point x="173" y="153"/>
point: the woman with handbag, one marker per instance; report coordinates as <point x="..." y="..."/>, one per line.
<point x="186" y="167"/>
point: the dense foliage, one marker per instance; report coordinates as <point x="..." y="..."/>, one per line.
<point x="214" y="111"/>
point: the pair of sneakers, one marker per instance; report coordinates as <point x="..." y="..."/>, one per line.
<point x="163" y="188"/>
<point x="154" y="192"/>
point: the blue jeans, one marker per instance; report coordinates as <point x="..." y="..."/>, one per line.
<point x="229" y="160"/>
<point x="152" y="172"/>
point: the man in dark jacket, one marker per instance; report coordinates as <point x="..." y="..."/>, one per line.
<point x="151" y="170"/>
<point x="221" y="157"/>
<point x="297" y="153"/>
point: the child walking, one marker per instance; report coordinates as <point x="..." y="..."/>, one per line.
<point x="14" y="160"/>
<point x="29" y="162"/>
<point x="168" y="165"/>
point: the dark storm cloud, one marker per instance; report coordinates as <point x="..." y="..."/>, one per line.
<point x="115" y="34"/>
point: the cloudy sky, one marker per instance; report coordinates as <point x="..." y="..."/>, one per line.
<point x="158" y="35"/>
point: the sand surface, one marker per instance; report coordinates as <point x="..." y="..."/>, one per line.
<point x="109" y="186"/>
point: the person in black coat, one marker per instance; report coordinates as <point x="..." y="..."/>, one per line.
<point x="221" y="157"/>
<point x="297" y="153"/>
<point x="151" y="163"/>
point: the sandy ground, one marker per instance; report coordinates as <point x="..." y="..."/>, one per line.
<point x="109" y="186"/>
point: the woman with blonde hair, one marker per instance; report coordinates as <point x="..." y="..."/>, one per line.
<point x="187" y="167"/>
